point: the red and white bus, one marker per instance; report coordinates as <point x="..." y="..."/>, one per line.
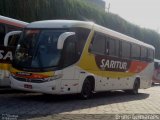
<point x="156" y="74"/>
<point x="6" y="52"/>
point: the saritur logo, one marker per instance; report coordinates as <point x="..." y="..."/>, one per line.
<point x="112" y="63"/>
<point x="4" y="56"/>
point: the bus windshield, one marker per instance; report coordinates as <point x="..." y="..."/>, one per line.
<point x="38" y="49"/>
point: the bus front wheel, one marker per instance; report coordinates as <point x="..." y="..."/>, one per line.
<point x="86" y="91"/>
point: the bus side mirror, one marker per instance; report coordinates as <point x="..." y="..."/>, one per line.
<point x="8" y="35"/>
<point x="62" y="39"/>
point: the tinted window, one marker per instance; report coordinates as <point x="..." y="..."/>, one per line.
<point x="69" y="51"/>
<point x="38" y="49"/>
<point x="110" y="43"/>
<point x="2" y="33"/>
<point x="98" y="44"/>
<point x="150" y="54"/>
<point x="135" y="51"/>
<point x="117" y="48"/>
<point x="126" y="50"/>
<point x="13" y="40"/>
<point x="82" y="35"/>
<point x="156" y="65"/>
<point x="112" y="47"/>
<point x="143" y="53"/>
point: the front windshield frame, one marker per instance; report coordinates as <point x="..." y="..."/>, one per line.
<point x="81" y="37"/>
<point x="31" y="68"/>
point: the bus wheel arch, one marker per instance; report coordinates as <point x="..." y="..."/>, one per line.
<point x="87" y="87"/>
<point x="139" y="81"/>
<point x="92" y="81"/>
<point x="136" y="86"/>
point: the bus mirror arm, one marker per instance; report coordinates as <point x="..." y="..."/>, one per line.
<point x="10" y="34"/>
<point x="62" y="39"/>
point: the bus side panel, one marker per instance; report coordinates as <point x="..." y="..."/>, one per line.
<point x="70" y="80"/>
<point x="115" y="73"/>
<point x="146" y="76"/>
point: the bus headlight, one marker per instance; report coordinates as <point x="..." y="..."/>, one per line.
<point x="53" y="78"/>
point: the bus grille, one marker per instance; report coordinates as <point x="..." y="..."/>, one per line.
<point x="29" y="80"/>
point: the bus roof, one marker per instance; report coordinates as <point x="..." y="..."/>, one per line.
<point x="60" y="24"/>
<point x="13" y="22"/>
<point x="84" y="24"/>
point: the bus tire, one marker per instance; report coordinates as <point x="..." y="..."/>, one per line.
<point x="86" y="91"/>
<point x="135" y="89"/>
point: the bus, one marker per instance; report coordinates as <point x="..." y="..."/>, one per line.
<point x="79" y="57"/>
<point x="156" y="74"/>
<point x="6" y="52"/>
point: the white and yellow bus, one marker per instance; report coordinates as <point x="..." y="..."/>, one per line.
<point x="6" y="52"/>
<point x="66" y="57"/>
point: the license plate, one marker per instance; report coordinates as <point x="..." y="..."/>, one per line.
<point x="27" y="86"/>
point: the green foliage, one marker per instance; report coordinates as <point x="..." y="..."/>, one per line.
<point x="33" y="10"/>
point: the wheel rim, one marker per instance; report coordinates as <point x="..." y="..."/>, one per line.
<point x="135" y="88"/>
<point x="86" y="90"/>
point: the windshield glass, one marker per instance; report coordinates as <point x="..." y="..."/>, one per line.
<point x="38" y="49"/>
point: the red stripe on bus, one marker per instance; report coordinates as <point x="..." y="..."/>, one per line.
<point x="12" y="23"/>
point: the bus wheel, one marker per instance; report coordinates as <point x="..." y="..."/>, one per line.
<point x="86" y="91"/>
<point x="136" y="86"/>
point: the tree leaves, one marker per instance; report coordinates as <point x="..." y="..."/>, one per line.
<point x="34" y="10"/>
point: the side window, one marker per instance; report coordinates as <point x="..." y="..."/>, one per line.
<point x="126" y="50"/>
<point x="98" y="44"/>
<point x="150" y="54"/>
<point x="156" y="66"/>
<point x="143" y="53"/>
<point x="110" y="44"/>
<point x="112" y="47"/>
<point x="2" y="33"/>
<point x="13" y="40"/>
<point x="117" y="48"/>
<point x="135" y="52"/>
<point x="69" y="51"/>
<point x="82" y="35"/>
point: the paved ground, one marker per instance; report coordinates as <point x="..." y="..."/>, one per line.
<point x="20" y="105"/>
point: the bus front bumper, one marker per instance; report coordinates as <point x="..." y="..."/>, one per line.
<point x="46" y="87"/>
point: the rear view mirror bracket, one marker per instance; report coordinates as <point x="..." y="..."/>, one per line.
<point x="8" y="35"/>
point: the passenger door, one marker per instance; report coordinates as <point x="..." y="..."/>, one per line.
<point x="69" y="57"/>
